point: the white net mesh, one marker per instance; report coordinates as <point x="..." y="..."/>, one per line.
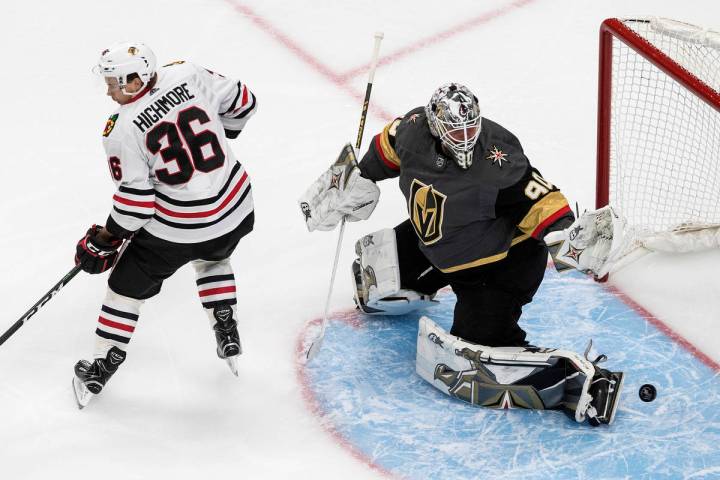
<point x="665" y="140"/>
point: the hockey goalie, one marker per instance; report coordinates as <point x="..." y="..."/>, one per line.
<point x="483" y="221"/>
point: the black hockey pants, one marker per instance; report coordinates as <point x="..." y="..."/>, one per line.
<point x="489" y="298"/>
<point x="148" y="260"/>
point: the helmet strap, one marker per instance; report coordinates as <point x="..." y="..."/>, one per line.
<point x="123" y="88"/>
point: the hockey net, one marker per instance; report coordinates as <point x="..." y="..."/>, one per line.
<point x="659" y="132"/>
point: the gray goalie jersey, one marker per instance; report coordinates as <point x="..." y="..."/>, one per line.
<point x="466" y="218"/>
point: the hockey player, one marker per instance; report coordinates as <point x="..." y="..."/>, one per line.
<point x="182" y="197"/>
<point x="482" y="220"/>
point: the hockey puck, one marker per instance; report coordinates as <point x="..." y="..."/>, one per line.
<point x="647" y="392"/>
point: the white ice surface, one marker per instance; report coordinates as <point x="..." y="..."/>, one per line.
<point x="175" y="410"/>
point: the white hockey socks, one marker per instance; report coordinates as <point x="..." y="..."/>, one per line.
<point x="116" y="323"/>
<point x="216" y="286"/>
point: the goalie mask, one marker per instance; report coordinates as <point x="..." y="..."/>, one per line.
<point x="454" y="117"/>
<point x="126" y="58"/>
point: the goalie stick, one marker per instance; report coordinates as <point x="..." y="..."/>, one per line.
<point x="317" y="341"/>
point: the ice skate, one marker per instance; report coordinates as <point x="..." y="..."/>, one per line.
<point x="82" y="394"/>
<point x="605" y="392"/>
<point x="228" y="340"/>
<point x="91" y="377"/>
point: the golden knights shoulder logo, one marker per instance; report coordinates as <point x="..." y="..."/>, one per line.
<point x="426" y="207"/>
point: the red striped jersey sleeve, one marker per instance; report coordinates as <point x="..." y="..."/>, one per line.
<point x="235" y="102"/>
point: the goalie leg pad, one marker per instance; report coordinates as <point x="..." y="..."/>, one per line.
<point x="376" y="277"/>
<point x="504" y="377"/>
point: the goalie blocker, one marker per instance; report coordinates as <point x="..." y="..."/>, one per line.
<point x="340" y="192"/>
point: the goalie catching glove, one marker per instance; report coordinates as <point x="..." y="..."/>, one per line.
<point x="589" y="244"/>
<point x="339" y="192"/>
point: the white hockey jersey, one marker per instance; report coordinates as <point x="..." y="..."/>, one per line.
<point x="167" y="150"/>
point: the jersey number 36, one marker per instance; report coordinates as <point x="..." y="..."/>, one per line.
<point x="185" y="147"/>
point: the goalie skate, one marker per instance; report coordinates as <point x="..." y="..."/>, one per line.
<point x="605" y="390"/>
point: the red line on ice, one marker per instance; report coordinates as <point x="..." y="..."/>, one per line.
<point x="315" y="407"/>
<point x="663" y="327"/>
<point x="438" y="37"/>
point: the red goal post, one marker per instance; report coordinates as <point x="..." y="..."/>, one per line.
<point x="658" y="150"/>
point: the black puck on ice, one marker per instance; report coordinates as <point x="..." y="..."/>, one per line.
<point x="647" y="392"/>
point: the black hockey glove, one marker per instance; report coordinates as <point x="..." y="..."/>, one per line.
<point x="95" y="255"/>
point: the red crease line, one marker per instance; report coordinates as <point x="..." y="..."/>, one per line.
<point x="664" y="328"/>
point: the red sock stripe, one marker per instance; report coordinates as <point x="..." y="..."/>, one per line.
<point x="119" y="326"/>
<point x="216" y="291"/>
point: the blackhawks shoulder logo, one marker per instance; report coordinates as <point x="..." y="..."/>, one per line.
<point x="110" y="124"/>
<point x="426" y="206"/>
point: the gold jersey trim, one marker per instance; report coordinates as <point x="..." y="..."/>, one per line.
<point x="543" y="209"/>
<point x="387" y="150"/>
<point x="485" y="260"/>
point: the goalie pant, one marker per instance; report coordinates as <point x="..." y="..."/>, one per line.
<point x="489" y="297"/>
<point x="504" y="377"/>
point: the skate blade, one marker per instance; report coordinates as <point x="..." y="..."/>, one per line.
<point x="82" y="394"/>
<point x="616" y="398"/>
<point x="232" y="363"/>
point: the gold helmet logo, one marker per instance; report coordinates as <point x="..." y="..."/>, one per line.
<point x="426" y="207"/>
<point x="133" y="51"/>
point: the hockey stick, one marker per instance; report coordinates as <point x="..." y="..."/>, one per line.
<point x="317" y="341"/>
<point x="40" y="303"/>
<point x="49" y="295"/>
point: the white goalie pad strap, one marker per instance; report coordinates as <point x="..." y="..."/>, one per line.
<point x="437" y="348"/>
<point x="400" y="303"/>
<point x="339" y="192"/>
<point x="591" y="243"/>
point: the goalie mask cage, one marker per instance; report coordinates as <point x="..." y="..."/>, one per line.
<point x="659" y="132"/>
